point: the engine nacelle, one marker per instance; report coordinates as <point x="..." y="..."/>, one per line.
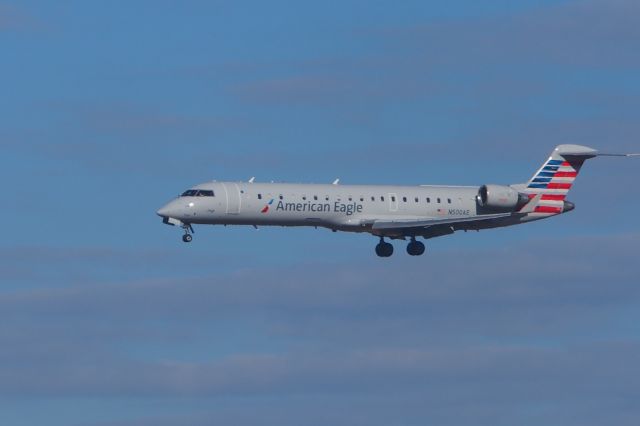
<point x="499" y="197"/>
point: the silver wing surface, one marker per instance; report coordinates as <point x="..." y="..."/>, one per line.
<point x="433" y="227"/>
<point x="424" y="223"/>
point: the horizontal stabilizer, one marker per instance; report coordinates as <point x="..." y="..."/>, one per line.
<point x="585" y="151"/>
<point x="574" y="151"/>
<point x="610" y="154"/>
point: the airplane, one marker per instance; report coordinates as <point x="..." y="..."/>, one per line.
<point x="385" y="211"/>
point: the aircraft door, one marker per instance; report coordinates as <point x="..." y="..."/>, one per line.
<point x="232" y="193"/>
<point x="393" y="202"/>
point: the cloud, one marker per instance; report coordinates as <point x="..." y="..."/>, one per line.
<point x="62" y="267"/>
<point x="7" y="18"/>
<point x="14" y="18"/>
<point x="573" y="367"/>
<point x="409" y="384"/>
<point x="524" y="82"/>
<point x="457" y="320"/>
<point x="584" y="33"/>
<point x="96" y="134"/>
<point x="514" y="277"/>
<point x="472" y="66"/>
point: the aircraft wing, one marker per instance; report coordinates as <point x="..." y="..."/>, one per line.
<point x="425" y="223"/>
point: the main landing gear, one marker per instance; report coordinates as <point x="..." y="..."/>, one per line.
<point x="384" y="249"/>
<point x="414" y="248"/>
<point x="188" y="230"/>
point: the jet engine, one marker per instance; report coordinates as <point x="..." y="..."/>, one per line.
<point x="498" y="197"/>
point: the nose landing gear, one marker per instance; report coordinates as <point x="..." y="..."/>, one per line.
<point x="188" y="230"/>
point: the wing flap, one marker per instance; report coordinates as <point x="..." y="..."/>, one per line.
<point x="425" y="223"/>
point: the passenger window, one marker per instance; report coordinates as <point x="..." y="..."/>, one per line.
<point x="280" y="196"/>
<point x="373" y="198"/>
<point x="315" y="197"/>
<point x="438" y="200"/>
<point x="350" y="199"/>
<point x="404" y="199"/>
<point x="428" y="200"/>
<point x="416" y="199"/>
<point x="326" y="198"/>
<point x="304" y="197"/>
<point x="382" y="198"/>
<point x="259" y="196"/>
<point x="449" y="200"/>
<point x="392" y="199"/>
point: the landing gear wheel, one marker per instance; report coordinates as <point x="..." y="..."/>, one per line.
<point x="415" y="248"/>
<point x="384" y="249"/>
<point x="187" y="238"/>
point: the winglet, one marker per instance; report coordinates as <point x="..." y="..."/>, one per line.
<point x="335" y="182"/>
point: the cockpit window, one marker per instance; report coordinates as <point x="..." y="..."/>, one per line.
<point x="197" y="193"/>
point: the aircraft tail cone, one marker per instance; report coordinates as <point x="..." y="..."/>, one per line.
<point x="568" y="206"/>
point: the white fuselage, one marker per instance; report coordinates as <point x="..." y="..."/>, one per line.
<point x="339" y="207"/>
<point x="386" y="211"/>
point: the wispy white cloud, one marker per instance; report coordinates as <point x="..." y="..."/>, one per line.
<point x="16" y="18"/>
<point x="455" y="320"/>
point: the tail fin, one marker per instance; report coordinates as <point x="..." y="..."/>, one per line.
<point x="556" y="176"/>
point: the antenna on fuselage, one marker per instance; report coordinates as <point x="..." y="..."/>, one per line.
<point x="252" y="179"/>
<point x="335" y="182"/>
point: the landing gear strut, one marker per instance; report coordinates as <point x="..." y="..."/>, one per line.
<point x="188" y="230"/>
<point x="415" y="248"/>
<point x="384" y="249"/>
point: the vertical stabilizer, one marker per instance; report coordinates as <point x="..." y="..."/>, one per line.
<point x="556" y="177"/>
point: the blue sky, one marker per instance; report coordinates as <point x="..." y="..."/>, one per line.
<point x="109" y="109"/>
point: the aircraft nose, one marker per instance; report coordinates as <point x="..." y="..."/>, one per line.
<point x="165" y="211"/>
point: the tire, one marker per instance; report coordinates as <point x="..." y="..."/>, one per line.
<point x="415" y="248"/>
<point x="420" y="248"/>
<point x="384" y="250"/>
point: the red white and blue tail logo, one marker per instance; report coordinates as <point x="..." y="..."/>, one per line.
<point x="554" y="180"/>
